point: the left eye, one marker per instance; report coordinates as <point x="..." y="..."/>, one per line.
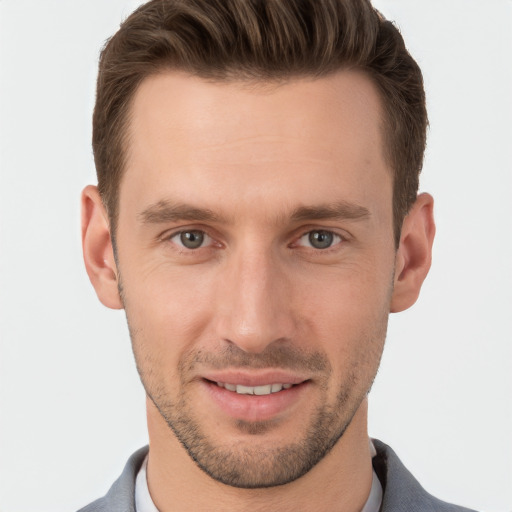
<point x="320" y="239"/>
<point x="193" y="239"/>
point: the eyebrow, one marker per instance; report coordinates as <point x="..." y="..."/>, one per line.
<point x="165" y="211"/>
<point x="341" y="210"/>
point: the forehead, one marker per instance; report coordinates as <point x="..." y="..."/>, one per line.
<point x="180" y="105"/>
<point x="300" y="139"/>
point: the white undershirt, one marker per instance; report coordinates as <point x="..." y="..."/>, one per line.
<point x="144" y="503"/>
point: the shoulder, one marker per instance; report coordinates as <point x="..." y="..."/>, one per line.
<point x="402" y="492"/>
<point x="121" y="496"/>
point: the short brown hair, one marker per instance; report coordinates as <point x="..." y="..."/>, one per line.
<point x="262" y="40"/>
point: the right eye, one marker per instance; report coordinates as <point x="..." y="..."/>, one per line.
<point x="191" y="239"/>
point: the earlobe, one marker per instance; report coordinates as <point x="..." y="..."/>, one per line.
<point x="414" y="255"/>
<point x="97" y="249"/>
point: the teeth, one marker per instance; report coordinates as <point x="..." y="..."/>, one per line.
<point x="244" y="390"/>
<point x="263" y="390"/>
<point x="267" y="389"/>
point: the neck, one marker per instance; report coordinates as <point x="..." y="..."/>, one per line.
<point x="340" y="481"/>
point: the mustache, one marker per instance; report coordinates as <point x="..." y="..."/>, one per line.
<point x="275" y="355"/>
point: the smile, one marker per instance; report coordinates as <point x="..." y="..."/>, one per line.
<point x="266" y="389"/>
<point x="246" y="397"/>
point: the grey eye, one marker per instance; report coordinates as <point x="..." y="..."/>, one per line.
<point x="321" y="239"/>
<point x="192" y="239"/>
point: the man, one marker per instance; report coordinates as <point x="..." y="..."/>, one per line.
<point x="257" y="218"/>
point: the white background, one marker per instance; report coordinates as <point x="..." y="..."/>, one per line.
<point x="71" y="405"/>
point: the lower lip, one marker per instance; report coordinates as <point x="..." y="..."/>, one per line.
<point x="254" y="407"/>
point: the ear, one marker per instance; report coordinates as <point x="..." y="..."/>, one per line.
<point x="97" y="249"/>
<point x="414" y="254"/>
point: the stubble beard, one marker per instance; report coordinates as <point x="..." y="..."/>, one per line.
<point x="252" y="467"/>
<point x="251" y="464"/>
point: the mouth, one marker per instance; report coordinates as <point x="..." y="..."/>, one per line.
<point x="256" y="398"/>
<point x="265" y="389"/>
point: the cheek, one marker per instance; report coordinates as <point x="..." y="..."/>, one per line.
<point x="348" y="293"/>
<point x="167" y="313"/>
<point x="167" y="298"/>
<point x="348" y="310"/>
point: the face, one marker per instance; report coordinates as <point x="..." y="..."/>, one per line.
<point x="256" y="258"/>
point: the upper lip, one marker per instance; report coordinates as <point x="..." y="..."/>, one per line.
<point x="254" y="378"/>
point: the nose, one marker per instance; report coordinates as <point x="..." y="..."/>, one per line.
<point x="254" y="302"/>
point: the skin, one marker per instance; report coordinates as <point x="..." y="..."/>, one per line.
<point x="256" y="169"/>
